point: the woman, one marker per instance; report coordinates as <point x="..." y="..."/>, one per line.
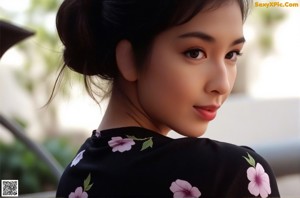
<point x="171" y="65"/>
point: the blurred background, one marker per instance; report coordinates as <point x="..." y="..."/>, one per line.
<point x="263" y="111"/>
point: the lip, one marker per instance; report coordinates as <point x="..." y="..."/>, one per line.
<point x="207" y="113"/>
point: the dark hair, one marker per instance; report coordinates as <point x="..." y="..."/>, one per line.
<point x="91" y="29"/>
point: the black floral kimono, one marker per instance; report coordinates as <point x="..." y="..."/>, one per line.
<point x="136" y="162"/>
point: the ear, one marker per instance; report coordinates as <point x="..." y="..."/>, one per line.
<point x="125" y="60"/>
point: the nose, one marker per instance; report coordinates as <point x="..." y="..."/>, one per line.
<point x="221" y="78"/>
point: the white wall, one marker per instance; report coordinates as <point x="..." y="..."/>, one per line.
<point x="244" y="120"/>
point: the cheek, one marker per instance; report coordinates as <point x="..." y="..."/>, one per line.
<point x="169" y="77"/>
<point x="166" y="85"/>
<point x="162" y="82"/>
<point x="232" y="76"/>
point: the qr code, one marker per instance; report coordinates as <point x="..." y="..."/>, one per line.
<point x="9" y="188"/>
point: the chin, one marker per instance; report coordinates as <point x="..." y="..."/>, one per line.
<point x="196" y="131"/>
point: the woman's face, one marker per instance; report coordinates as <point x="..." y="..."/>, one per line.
<point x="191" y="71"/>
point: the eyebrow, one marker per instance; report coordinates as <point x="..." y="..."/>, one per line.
<point x="208" y="38"/>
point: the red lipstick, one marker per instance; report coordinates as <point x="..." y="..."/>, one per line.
<point x="207" y="113"/>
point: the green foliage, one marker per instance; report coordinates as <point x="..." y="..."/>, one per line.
<point x="271" y="17"/>
<point x="45" y="5"/>
<point x="42" y="60"/>
<point x="268" y="19"/>
<point x="60" y="150"/>
<point x="17" y="162"/>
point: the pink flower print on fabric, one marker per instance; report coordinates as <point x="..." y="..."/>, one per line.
<point x="120" y="144"/>
<point x="97" y="134"/>
<point x="77" y="159"/>
<point x="259" y="181"/>
<point x="82" y="193"/>
<point x="79" y="193"/>
<point x="183" y="189"/>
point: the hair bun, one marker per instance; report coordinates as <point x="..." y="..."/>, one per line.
<point x="75" y="20"/>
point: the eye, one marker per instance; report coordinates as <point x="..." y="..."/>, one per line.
<point x="233" y="55"/>
<point x="195" y="54"/>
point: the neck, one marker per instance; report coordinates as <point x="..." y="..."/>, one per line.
<point x="124" y="110"/>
